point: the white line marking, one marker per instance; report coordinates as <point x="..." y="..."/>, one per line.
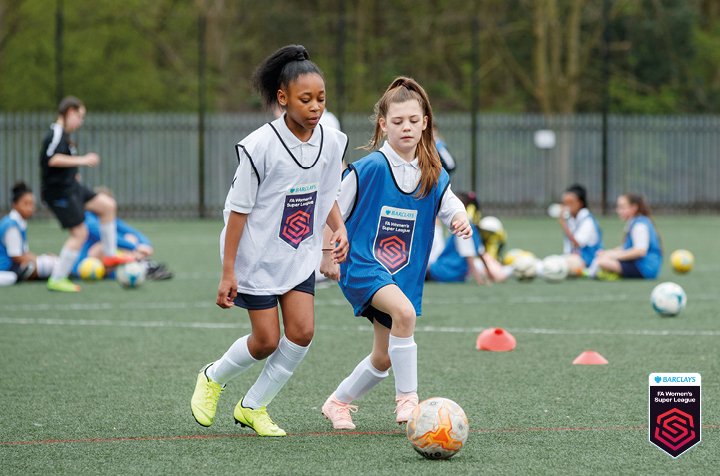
<point x="320" y="302"/>
<point x="31" y="321"/>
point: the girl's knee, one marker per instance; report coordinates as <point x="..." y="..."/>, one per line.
<point x="404" y="316"/>
<point x="380" y="361"/>
<point x="302" y="336"/>
<point x="261" y="346"/>
<point x="79" y="233"/>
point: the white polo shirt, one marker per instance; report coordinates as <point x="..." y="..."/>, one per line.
<point x="407" y="176"/>
<point x="13" y="241"/>
<point x="583" y="230"/>
<point x="287" y="187"/>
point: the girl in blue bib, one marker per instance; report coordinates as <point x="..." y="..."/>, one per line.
<point x="389" y="200"/>
<point x="640" y="255"/>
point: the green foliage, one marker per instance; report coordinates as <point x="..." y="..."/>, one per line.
<point x="136" y="55"/>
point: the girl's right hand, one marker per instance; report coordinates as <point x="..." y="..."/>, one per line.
<point x="329" y="268"/>
<point x="91" y="159"/>
<point x="227" y="291"/>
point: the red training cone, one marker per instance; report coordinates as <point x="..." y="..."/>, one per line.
<point x="590" y="357"/>
<point x="495" y="340"/>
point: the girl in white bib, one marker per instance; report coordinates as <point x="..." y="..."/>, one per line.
<point x="283" y="193"/>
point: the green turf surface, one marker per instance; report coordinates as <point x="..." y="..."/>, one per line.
<point x="100" y="382"/>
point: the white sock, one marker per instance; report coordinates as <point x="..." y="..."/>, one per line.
<point x="403" y="357"/>
<point x="108" y="238"/>
<point x="507" y="271"/>
<point x="235" y="361"/>
<point x="64" y="263"/>
<point x="278" y="369"/>
<point x="45" y="265"/>
<point x="7" y="278"/>
<point x="360" y="381"/>
<point x="593" y="269"/>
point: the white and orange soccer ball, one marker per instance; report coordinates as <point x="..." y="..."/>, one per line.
<point x="437" y="428"/>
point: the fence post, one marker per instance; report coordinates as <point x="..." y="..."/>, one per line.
<point x="605" y="104"/>
<point x="341" y="62"/>
<point x="202" y="23"/>
<point x="475" y="101"/>
<point x="59" y="21"/>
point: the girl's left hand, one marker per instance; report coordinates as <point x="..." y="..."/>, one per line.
<point x="461" y="226"/>
<point x="340" y="244"/>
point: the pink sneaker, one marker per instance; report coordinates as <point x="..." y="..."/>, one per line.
<point x="405" y="406"/>
<point x="339" y="413"/>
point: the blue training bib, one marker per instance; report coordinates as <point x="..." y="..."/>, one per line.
<point x="390" y="234"/>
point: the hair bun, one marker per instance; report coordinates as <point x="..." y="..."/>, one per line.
<point x="301" y="54"/>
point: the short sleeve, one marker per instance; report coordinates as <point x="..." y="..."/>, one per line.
<point x="13" y="242"/>
<point x="244" y="185"/>
<point x="348" y="193"/>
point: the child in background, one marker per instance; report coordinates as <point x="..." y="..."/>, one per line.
<point x="462" y="258"/>
<point x="583" y="235"/>
<point x="448" y="163"/>
<point x="17" y="263"/>
<point x="640" y="256"/>
<point x="129" y="240"/>
<point x="68" y="198"/>
<point x="446" y="159"/>
<point x="283" y="193"/>
<point x="389" y="200"/>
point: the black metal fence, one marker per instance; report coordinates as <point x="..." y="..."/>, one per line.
<point x="151" y="161"/>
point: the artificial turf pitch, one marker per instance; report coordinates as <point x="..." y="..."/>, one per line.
<point x="100" y="382"/>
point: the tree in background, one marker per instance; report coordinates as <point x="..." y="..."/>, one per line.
<point x="536" y="55"/>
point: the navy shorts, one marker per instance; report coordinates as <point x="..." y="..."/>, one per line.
<point x="257" y="303"/>
<point x="374" y="314"/>
<point x="629" y="269"/>
<point x="69" y="208"/>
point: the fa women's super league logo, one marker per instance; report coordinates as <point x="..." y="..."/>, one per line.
<point x="674" y="412"/>
<point x="393" y="241"/>
<point x="297" y="218"/>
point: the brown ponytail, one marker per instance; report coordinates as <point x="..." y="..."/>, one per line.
<point x="405" y="89"/>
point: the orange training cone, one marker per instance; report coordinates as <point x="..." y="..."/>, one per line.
<point x="495" y="340"/>
<point x="590" y="357"/>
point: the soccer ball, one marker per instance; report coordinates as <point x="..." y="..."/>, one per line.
<point x="575" y="265"/>
<point x="524" y="266"/>
<point x="91" y="269"/>
<point x="511" y="255"/>
<point x="668" y="299"/>
<point x="682" y="261"/>
<point x="130" y="275"/>
<point x="555" y="268"/>
<point x="437" y="428"/>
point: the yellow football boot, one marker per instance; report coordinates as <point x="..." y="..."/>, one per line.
<point x="258" y="420"/>
<point x="204" y="400"/>
<point x="62" y="285"/>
